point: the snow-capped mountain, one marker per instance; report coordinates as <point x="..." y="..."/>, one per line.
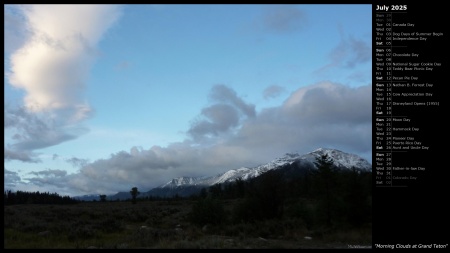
<point x="340" y="159"/>
<point x="182" y="181"/>
<point x="186" y="186"/>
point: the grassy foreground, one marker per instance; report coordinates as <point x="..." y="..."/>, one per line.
<point x="160" y="224"/>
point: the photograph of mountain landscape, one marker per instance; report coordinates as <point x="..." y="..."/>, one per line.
<point x="188" y="126"/>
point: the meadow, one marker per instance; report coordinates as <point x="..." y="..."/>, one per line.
<point x="158" y="224"/>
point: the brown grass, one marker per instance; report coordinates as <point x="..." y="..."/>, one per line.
<point x="154" y="224"/>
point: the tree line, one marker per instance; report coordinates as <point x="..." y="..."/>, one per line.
<point x="23" y="197"/>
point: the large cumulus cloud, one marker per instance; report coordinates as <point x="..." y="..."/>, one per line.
<point x="50" y="63"/>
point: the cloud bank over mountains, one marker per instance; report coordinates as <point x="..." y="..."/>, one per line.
<point x="321" y="115"/>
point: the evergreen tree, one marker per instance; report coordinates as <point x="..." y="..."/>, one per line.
<point x="203" y="193"/>
<point x="264" y="198"/>
<point x="134" y="192"/>
<point x="240" y="187"/>
<point x="102" y="197"/>
<point x="325" y="184"/>
<point x="216" y="190"/>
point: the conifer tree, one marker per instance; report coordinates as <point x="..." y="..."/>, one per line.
<point x="134" y="192"/>
<point x="325" y="176"/>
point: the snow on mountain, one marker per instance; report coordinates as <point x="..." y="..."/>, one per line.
<point x="181" y="181"/>
<point x="340" y="159"/>
<point x="186" y="186"/>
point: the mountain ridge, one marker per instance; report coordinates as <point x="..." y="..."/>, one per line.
<point x="185" y="186"/>
<point x="340" y="159"/>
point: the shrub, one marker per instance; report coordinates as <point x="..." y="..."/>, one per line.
<point x="207" y="211"/>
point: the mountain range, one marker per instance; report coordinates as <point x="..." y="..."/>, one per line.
<point x="186" y="186"/>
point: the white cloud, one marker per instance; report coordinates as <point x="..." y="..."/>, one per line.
<point x="57" y="49"/>
<point x="273" y="91"/>
<point x="54" y="62"/>
<point x="24" y="156"/>
<point x="11" y="179"/>
<point x="50" y="173"/>
<point x="31" y="131"/>
<point x="223" y="116"/>
<point x="283" y="19"/>
<point x="77" y="162"/>
<point x="349" y="53"/>
<point x="15" y="30"/>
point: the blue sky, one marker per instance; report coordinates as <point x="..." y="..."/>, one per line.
<point x="101" y="98"/>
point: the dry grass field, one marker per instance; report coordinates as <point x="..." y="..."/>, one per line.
<point x="159" y="224"/>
